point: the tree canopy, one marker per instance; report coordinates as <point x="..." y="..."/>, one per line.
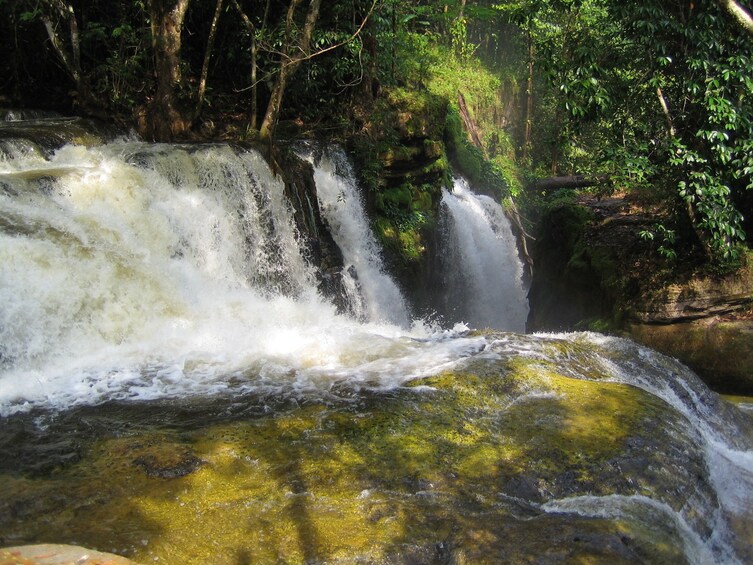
<point x="653" y="96"/>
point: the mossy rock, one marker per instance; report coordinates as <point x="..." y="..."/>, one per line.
<point x="474" y="465"/>
<point x="719" y="349"/>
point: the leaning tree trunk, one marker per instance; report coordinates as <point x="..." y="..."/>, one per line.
<point x="295" y="51"/>
<point x="70" y="55"/>
<point x="167" y="120"/>
<point x="739" y="13"/>
<point x="207" y="57"/>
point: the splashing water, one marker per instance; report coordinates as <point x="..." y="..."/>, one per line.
<point x="482" y="271"/>
<point x="713" y="527"/>
<point x="372" y="294"/>
<point x="143" y="271"/>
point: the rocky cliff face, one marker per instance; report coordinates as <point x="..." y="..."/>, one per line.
<point x="300" y="189"/>
<point x="594" y="271"/>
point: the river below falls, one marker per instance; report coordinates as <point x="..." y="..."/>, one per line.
<point x="544" y="448"/>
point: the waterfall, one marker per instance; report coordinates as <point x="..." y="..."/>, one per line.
<point x="482" y="273"/>
<point x="133" y="270"/>
<point x="372" y="293"/>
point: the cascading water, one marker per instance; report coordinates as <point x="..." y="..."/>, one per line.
<point x="372" y="294"/>
<point x="482" y="273"/>
<point x="712" y="525"/>
<point x="141" y="271"/>
<point x="150" y="294"/>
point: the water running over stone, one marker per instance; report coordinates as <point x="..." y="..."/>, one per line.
<point x="483" y="275"/>
<point x="373" y="295"/>
<point x="141" y="271"/>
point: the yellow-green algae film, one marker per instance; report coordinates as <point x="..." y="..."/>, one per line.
<point x="454" y="463"/>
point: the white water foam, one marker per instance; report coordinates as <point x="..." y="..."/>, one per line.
<point x="143" y="271"/>
<point x="483" y="274"/>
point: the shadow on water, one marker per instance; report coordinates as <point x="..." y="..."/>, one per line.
<point x="454" y="473"/>
<point x="50" y="493"/>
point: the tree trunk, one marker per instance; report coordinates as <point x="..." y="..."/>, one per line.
<point x="665" y="109"/>
<point x="71" y="60"/>
<point x="254" y="111"/>
<point x="741" y="15"/>
<point x="295" y="51"/>
<point x="167" y="120"/>
<point x="207" y="57"/>
<point x="470" y="125"/>
<point x="570" y="181"/>
<point x="529" y="103"/>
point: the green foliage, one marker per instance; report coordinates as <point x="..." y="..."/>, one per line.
<point x="482" y="173"/>
<point x="665" y="239"/>
<point x="655" y="95"/>
<point x="698" y="58"/>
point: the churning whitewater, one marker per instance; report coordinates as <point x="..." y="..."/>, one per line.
<point x="139" y="271"/>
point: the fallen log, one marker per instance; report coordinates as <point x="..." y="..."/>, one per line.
<point x="569" y="181"/>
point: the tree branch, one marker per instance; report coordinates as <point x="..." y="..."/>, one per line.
<point x="344" y="42"/>
<point x="741" y="15"/>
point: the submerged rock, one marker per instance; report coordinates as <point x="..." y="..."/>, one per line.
<point x="537" y="450"/>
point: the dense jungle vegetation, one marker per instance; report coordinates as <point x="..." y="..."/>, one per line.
<point x="650" y="96"/>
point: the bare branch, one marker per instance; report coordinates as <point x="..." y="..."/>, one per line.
<point x="346" y="41"/>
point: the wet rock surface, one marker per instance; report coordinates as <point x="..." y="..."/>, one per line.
<point x="535" y="457"/>
<point x="594" y="271"/>
<point x="58" y="554"/>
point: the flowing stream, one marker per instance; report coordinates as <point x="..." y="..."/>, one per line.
<point x="159" y="295"/>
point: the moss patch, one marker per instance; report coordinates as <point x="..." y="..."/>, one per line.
<point x="450" y="464"/>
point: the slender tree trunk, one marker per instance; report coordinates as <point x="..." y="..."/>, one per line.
<point x="207" y="57"/>
<point x="253" y="121"/>
<point x="167" y="120"/>
<point x="470" y="125"/>
<point x="254" y="111"/>
<point x="295" y="51"/>
<point x="665" y="109"/>
<point x="71" y="59"/>
<point x="529" y="103"/>
<point x="462" y="9"/>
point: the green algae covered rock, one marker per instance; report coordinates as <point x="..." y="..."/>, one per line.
<point x="517" y="455"/>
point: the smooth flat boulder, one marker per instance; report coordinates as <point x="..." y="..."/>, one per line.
<point x="58" y="554"/>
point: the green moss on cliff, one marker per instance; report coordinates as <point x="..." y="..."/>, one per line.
<point x="487" y="176"/>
